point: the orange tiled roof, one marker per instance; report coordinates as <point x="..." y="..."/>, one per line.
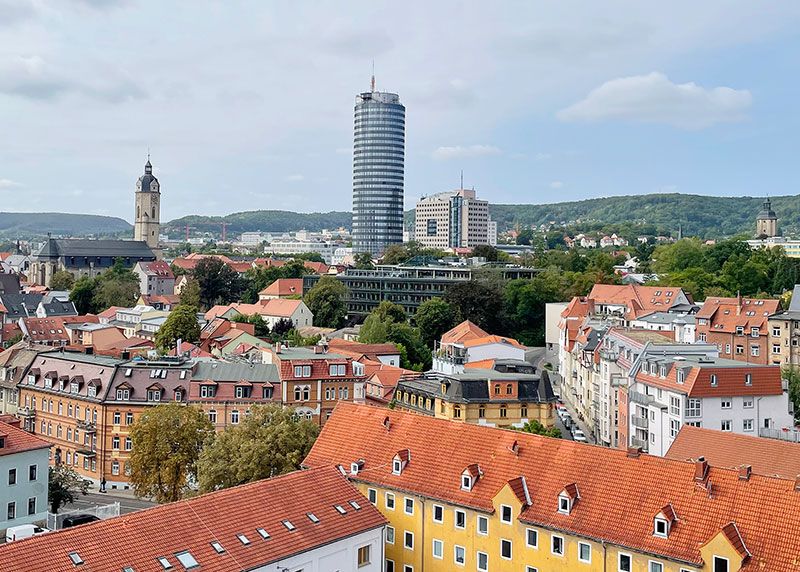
<point x="284" y="287"/>
<point x="480" y="364"/>
<point x="765" y="380"/>
<point x="464" y="331"/>
<point x="614" y="488"/>
<point x="137" y="539"/>
<point x="19" y="441"/>
<point x="726" y="314"/>
<point x="725" y="449"/>
<point x="639" y="300"/>
<point x="279" y="307"/>
<point x="492" y="339"/>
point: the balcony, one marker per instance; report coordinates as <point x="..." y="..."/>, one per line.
<point x="636" y="442"/>
<point x="640" y="398"/>
<point x="87" y="426"/>
<point x="610" y="355"/>
<point x="640" y="422"/>
<point x="26" y="412"/>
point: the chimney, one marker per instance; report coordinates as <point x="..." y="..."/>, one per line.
<point x="634" y="452"/>
<point x="179" y="347"/>
<point x="125" y="354"/>
<point x="738" y="303"/>
<point x="317" y="349"/>
<point x="278" y="348"/>
<point x="700" y="469"/>
<point x="88" y="350"/>
<point x="387" y="423"/>
<point x="797" y="483"/>
<point x="744" y="472"/>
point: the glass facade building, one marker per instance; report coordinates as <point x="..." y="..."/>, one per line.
<point x="378" y="168"/>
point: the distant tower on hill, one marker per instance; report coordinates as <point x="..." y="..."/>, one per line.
<point x="148" y="209"/>
<point x="767" y="221"/>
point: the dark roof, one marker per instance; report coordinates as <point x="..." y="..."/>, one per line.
<point x="59" y="308"/>
<point x="475" y="387"/>
<point x="147" y="179"/>
<point x="55" y="248"/>
<point x="767" y="212"/>
<point x="20" y="305"/>
<point x="224" y="371"/>
<point x="9" y="283"/>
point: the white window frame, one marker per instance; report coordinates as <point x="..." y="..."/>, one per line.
<point x="619" y="562"/>
<point x="440" y="508"/>
<point x="748" y="403"/>
<point x="503" y="508"/>
<point x="406" y="501"/>
<point x="503" y="542"/>
<point x="581" y="545"/>
<point x="553" y="538"/>
<point x="485" y="520"/>
<point x="726" y="403"/>
<point x="564" y="504"/>
<point x="397" y="466"/>
<point x="406" y="535"/>
<point x="390" y="529"/>
<point x="714" y="562"/>
<point x="747" y="425"/>
<point x="663" y="522"/>
<point x="655" y="566"/>
<point x="723" y="423"/>
<point x="478" y="555"/>
<point x="456" y="512"/>
<point x="535" y="533"/>
<point x="455" y="555"/>
<point x="440" y="543"/>
<point x="372" y="495"/>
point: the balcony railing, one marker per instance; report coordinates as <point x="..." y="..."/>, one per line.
<point x="87" y="426"/>
<point x="640" y="422"/>
<point x="636" y="442"/>
<point x="611" y="355"/>
<point x="640" y="398"/>
<point x="26" y="412"/>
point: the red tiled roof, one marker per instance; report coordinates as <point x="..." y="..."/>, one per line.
<point x="357" y="348"/>
<point x="158" y="268"/>
<point x="492" y="339"/>
<point x="732" y="450"/>
<point x="19" y="441"/>
<point x="726" y="314"/>
<point x="614" y="488"/>
<point x="284" y="287"/>
<point x="279" y="307"/>
<point x="639" y="300"/>
<point x="138" y="539"/>
<point x="765" y="380"/>
<point x="464" y="331"/>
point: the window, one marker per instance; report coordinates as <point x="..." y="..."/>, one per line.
<point x="390" y="567"/>
<point x="75" y="558"/>
<point x="114" y="467"/>
<point x="438" y="549"/>
<point x="681" y="376"/>
<point x="660" y="527"/>
<point x="32" y="472"/>
<point x="625" y="563"/>
<point x="754" y="350"/>
<point x="557" y="545"/>
<point x="117" y="417"/>
<point x="390" y="501"/>
<point x="207" y="391"/>
<point x="505" y="549"/>
<point x="509" y="389"/>
<point x="115" y="442"/>
<point x="482" y="411"/>
<point x="483" y="561"/>
<point x="408" y="505"/>
<point x="483" y="525"/>
<point x="372" y="495"/>
<point x="725" y="425"/>
<point x="12" y="476"/>
<point x="585" y="552"/>
<point x="234" y="417"/>
<point x="693" y="408"/>
<point x="11" y="511"/>
<point x="726" y="403"/>
<point x="713" y="379"/>
<point x="266" y="392"/>
<point x="123" y="394"/>
<point x="459" y="555"/>
<point x="532" y="538"/>
<point x="503" y="411"/>
<point x="748" y="379"/>
<point x="438" y="513"/>
<point x="466" y="482"/>
<point x="776" y="331"/>
<point x="186" y="559"/>
<point x="128" y="443"/>
<point x="739" y="349"/>
<point x="408" y="540"/>
<point x="720" y="564"/>
<point x="461" y="519"/>
<point x="747" y="424"/>
<point x="212" y="416"/>
<point x="674" y="405"/>
<point x="129" y="418"/>
<point x="776" y="348"/>
<point x="243" y="539"/>
<point x="754" y="332"/>
<point x="363" y="556"/>
<point x="655" y="566"/>
<point x="217" y="547"/>
<point x="408" y="568"/>
<point x="563" y="505"/>
<point x="457" y="411"/>
<point x="674" y="427"/>
<point x="241" y="392"/>
<point x="747" y="402"/>
<point x="727" y="348"/>
<point x="505" y="514"/>
<point x="739" y="330"/>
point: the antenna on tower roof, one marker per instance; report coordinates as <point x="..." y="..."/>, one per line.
<point x="462" y="180"/>
<point x="372" y="83"/>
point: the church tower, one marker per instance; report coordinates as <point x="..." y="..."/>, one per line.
<point x="148" y="208"/>
<point x="767" y="221"/>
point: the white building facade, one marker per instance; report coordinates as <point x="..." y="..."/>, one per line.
<point x="24" y="461"/>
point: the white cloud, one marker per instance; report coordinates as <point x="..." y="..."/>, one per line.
<point x="8" y="184"/>
<point x="293" y="178"/>
<point x="653" y="98"/>
<point x="556" y="184"/>
<point x="459" y="152"/>
<point x="543" y="156"/>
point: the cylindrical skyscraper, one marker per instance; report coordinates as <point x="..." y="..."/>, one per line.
<point x="378" y="164"/>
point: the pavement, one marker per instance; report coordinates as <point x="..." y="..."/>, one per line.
<point x="127" y="501"/>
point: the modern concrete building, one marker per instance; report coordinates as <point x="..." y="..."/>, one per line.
<point x="453" y="219"/>
<point x="378" y="169"/>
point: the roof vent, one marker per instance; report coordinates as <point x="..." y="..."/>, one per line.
<point x="634" y="452"/>
<point x="514" y="448"/>
<point x="744" y="472"/>
<point x="387" y="422"/>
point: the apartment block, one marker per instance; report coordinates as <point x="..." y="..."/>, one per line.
<point x="453" y="219"/>
<point x="23" y="475"/>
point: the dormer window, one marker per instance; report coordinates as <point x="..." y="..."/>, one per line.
<point x="567" y="498"/>
<point x="564" y="504"/>
<point x="713" y="380"/>
<point x="663" y="521"/>
<point x="681" y="376"/>
<point x="661" y="528"/>
<point x="466" y="482"/>
<point x="748" y="379"/>
<point x="397" y="466"/>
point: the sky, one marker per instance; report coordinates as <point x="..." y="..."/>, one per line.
<point x="247" y="105"/>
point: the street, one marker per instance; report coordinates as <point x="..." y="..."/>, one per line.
<point x="127" y="502"/>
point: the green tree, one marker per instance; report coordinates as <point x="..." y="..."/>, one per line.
<point x="396" y="254"/>
<point x="792" y="375"/>
<point x="535" y="427"/>
<point x="62" y="280"/>
<point x="363" y="261"/>
<point x="416" y="354"/>
<point x="480" y="301"/>
<point x="375" y="329"/>
<point x="271" y="441"/>
<point x="115" y="290"/>
<point x="327" y="301"/>
<point x="180" y="324"/>
<point x="167" y="441"/>
<point x="63" y="486"/>
<point x="218" y="282"/>
<point x="281" y="328"/>
<point x="190" y="295"/>
<point x="82" y="295"/>
<point x="490" y="253"/>
<point x="433" y="318"/>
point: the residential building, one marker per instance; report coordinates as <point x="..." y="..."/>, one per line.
<point x="287" y="246"/>
<point x="501" y="393"/>
<point x="790" y="246"/>
<point x="93" y="334"/>
<point x="682" y="326"/>
<point x="146" y="226"/>
<point x="14" y="362"/>
<point x="313" y="380"/>
<point x="408" y="286"/>
<point x="452" y="219"/>
<point x="271" y="310"/>
<point x="461" y="494"/>
<point x="386" y="353"/>
<point x="306" y="520"/>
<point x="715" y="393"/>
<point x="155" y="278"/>
<point x="738" y="326"/>
<point x="53" y="307"/>
<point x="378" y="168"/>
<point x="50" y="331"/>
<point x="491" y="232"/>
<point x="783" y="328"/>
<point x="17" y="305"/>
<point x="467" y="343"/>
<point x="552" y="319"/>
<point x="226" y="391"/>
<point x="769" y="457"/>
<point x="23" y="476"/>
<point x="85" y="257"/>
<point x="164" y="302"/>
<point x="282" y="288"/>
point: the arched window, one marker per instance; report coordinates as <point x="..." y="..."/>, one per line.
<point x="154" y="212"/>
<point x="138" y="212"/>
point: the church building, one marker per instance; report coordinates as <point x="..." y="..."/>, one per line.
<point x="89" y="257"/>
<point x="767" y="221"/>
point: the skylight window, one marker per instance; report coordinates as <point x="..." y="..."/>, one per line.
<point x="340" y="509"/>
<point x="243" y="539"/>
<point x="217" y="547"/>
<point x="164" y="563"/>
<point x="128" y="569"/>
<point x="264" y="534"/>
<point x="76" y="558"/>
<point x="355" y="505"/>
<point x="288" y="524"/>
<point x="187" y="560"/>
<point x="312" y="517"/>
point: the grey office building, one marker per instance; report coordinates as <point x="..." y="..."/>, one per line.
<point x="378" y="160"/>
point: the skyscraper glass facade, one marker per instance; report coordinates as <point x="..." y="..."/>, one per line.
<point x="378" y="167"/>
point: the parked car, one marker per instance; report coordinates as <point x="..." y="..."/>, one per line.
<point x="21" y="531"/>
<point x="579" y="436"/>
<point x="78" y="519"/>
